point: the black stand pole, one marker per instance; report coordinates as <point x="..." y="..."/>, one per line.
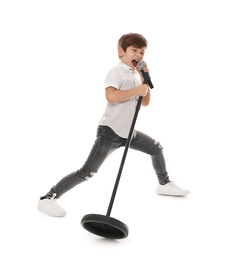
<point x="124" y="156"/>
<point x="104" y="225"/>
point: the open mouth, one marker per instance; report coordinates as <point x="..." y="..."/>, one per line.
<point x="134" y="63"/>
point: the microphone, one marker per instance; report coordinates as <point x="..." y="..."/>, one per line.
<point x="146" y="75"/>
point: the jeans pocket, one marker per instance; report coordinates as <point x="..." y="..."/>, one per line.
<point x="108" y="133"/>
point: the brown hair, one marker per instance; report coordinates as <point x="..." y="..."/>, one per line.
<point x="132" y="39"/>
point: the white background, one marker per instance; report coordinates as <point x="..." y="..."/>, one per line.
<point x="54" y="56"/>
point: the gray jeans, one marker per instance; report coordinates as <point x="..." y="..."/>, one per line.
<point x="107" y="141"/>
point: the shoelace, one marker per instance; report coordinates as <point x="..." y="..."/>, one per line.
<point x="53" y="200"/>
<point x="54" y="195"/>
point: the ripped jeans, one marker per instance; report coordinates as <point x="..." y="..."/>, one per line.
<point x="107" y="141"/>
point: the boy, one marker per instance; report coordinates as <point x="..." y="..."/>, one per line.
<point x="123" y="86"/>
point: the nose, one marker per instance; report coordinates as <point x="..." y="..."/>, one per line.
<point x="139" y="56"/>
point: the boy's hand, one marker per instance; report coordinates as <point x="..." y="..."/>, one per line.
<point x="142" y="90"/>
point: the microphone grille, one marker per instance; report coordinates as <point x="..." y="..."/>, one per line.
<point x="140" y="65"/>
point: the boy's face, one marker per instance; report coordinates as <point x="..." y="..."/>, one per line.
<point x="131" y="56"/>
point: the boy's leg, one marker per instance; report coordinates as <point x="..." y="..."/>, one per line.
<point x="101" y="149"/>
<point x="106" y="142"/>
<point x="146" y="144"/>
<point x="143" y="143"/>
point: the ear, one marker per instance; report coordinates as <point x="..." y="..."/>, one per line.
<point x="120" y="52"/>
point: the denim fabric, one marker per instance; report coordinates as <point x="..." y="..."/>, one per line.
<point x="107" y="141"/>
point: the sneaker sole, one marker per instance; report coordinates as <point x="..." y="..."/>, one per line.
<point x="49" y="213"/>
<point x="173" y="195"/>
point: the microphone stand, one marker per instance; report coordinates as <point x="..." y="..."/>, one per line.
<point x="104" y="225"/>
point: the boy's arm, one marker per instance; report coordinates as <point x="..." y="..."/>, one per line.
<point x="146" y="99"/>
<point x="114" y="95"/>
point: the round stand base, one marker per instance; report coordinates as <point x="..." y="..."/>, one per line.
<point x="104" y="226"/>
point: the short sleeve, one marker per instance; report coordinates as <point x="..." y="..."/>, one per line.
<point x="113" y="78"/>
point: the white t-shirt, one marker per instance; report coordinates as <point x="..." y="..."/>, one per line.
<point x="119" y="116"/>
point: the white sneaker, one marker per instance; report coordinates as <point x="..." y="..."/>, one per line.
<point x="171" y="189"/>
<point x="50" y="207"/>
